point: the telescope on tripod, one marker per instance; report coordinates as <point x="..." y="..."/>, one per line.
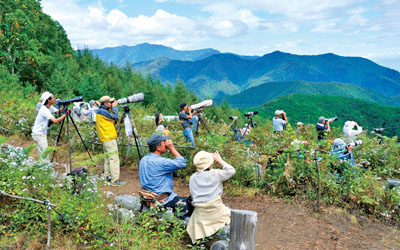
<point x="65" y="104"/>
<point x="198" y="107"/>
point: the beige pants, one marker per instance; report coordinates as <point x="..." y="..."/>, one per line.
<point x="41" y="144"/>
<point x="111" y="162"/>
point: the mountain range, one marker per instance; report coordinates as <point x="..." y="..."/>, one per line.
<point x="211" y="74"/>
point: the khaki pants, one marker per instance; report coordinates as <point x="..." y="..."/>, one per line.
<point x="111" y="162"/>
<point x="41" y="144"/>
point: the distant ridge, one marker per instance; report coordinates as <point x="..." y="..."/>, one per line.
<point x="228" y="74"/>
<point x="265" y="92"/>
<point x="147" y="52"/>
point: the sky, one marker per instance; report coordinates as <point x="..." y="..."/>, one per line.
<point x="364" y="28"/>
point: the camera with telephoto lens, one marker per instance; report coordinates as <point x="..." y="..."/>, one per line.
<point x="331" y="119"/>
<point x="355" y="143"/>
<point x="378" y="130"/>
<point x="249" y="114"/>
<point x="233" y="117"/>
<point x="139" y="97"/>
<point x="69" y="101"/>
<point x="206" y="103"/>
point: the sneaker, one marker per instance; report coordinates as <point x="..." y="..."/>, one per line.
<point x="108" y="179"/>
<point x="118" y="183"/>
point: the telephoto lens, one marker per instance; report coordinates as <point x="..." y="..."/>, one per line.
<point x="255" y="112"/>
<point x="139" y="97"/>
<point x="68" y="101"/>
<point x="233" y="117"/>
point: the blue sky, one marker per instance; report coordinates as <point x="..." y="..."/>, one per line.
<point x="369" y="29"/>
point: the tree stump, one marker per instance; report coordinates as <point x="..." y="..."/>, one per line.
<point x="243" y="230"/>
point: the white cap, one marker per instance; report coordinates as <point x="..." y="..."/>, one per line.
<point x="45" y="96"/>
<point x="278" y="112"/>
<point x="299" y="124"/>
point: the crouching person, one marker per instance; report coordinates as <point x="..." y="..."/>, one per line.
<point x="156" y="176"/>
<point x="210" y="214"/>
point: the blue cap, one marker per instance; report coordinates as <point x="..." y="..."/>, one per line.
<point x="155" y="139"/>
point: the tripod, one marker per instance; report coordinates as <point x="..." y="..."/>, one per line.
<point x="250" y="124"/>
<point x="68" y="117"/>
<point x="129" y="124"/>
<point x="201" y="119"/>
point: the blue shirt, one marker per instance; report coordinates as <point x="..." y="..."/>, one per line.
<point x="155" y="173"/>
<point x="321" y="130"/>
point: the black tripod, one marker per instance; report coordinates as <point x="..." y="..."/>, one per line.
<point x="250" y="123"/>
<point x="131" y="124"/>
<point x="68" y="117"/>
<point x="201" y="119"/>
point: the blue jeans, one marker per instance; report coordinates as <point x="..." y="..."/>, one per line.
<point x="188" y="132"/>
<point x="194" y="121"/>
<point x="183" y="203"/>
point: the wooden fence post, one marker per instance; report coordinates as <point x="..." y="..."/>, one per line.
<point x="243" y="230"/>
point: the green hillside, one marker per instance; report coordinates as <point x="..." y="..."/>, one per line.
<point x="260" y="94"/>
<point x="239" y="74"/>
<point x="307" y="109"/>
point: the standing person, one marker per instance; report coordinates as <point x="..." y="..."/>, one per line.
<point x="106" y="117"/>
<point x="323" y="128"/>
<point x="159" y="119"/>
<point x="279" y="123"/>
<point x="39" y="129"/>
<point x="189" y="121"/>
<point x="156" y="174"/>
<point x="94" y="107"/>
<point x="210" y="214"/>
<point x="349" y="132"/>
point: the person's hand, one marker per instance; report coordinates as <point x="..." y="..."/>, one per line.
<point x="67" y="111"/>
<point x="169" y="144"/>
<point x="114" y="103"/>
<point x="217" y="157"/>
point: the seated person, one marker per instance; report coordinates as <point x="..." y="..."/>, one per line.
<point x="323" y="128"/>
<point x="342" y="151"/>
<point x="210" y="214"/>
<point x="156" y="174"/>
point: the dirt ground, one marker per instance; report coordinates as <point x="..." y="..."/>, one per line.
<point x="283" y="224"/>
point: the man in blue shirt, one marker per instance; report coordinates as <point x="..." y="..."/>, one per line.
<point x="156" y="174"/>
<point x="323" y="128"/>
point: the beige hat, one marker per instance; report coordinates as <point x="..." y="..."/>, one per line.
<point x="203" y="160"/>
<point x="278" y="112"/>
<point x="300" y="124"/>
<point x="106" y="98"/>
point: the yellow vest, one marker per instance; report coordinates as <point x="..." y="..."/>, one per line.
<point x="105" y="128"/>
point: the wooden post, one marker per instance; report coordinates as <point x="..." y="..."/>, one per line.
<point x="48" y="227"/>
<point x="319" y="181"/>
<point x="243" y="230"/>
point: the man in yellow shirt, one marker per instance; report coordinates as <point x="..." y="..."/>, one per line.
<point x="106" y="117"/>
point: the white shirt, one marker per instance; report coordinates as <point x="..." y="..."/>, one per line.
<point x="278" y="124"/>
<point x="205" y="186"/>
<point x="42" y="120"/>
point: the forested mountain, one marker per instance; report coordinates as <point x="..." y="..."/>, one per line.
<point x="146" y="52"/>
<point x="227" y="74"/>
<point x="260" y="94"/>
<point x="307" y="109"/>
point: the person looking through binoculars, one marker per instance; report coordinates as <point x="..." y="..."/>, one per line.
<point x="344" y="151"/>
<point x="189" y="122"/>
<point x="106" y="117"/>
<point x="323" y="127"/>
<point x="43" y="120"/>
<point x="279" y="123"/>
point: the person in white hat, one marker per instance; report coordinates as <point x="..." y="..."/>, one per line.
<point x="43" y="120"/>
<point x="40" y="103"/>
<point x="106" y="117"/>
<point x="342" y="151"/>
<point x="209" y="214"/>
<point x="279" y="123"/>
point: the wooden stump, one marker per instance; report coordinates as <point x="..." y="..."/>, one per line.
<point x="243" y="230"/>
